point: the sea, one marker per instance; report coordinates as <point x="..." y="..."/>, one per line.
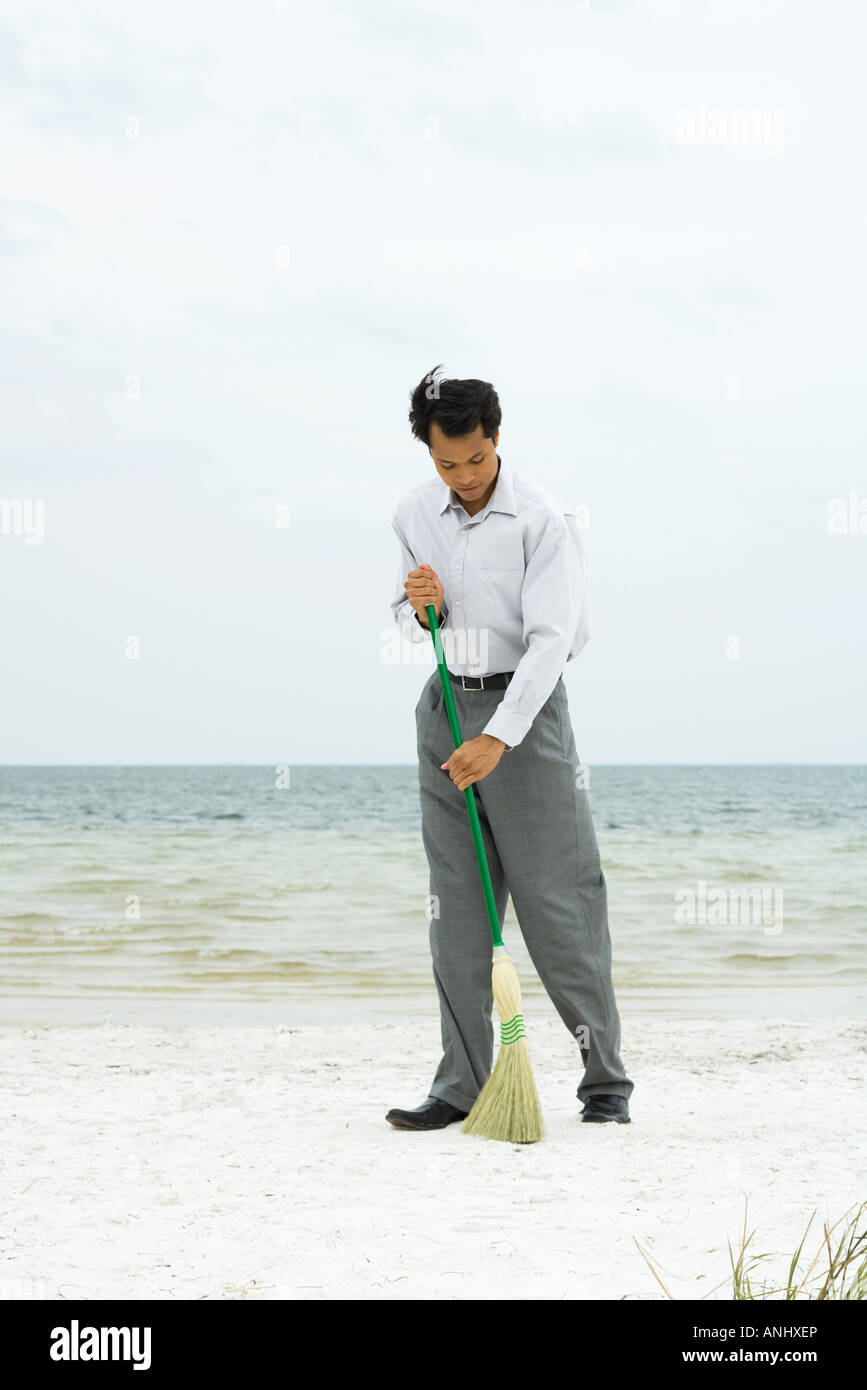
<point x="267" y="896"/>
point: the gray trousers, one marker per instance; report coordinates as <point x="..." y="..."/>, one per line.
<point x="541" y="848"/>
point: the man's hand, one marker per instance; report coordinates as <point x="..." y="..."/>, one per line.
<point x="423" y="587"/>
<point x="474" y="760"/>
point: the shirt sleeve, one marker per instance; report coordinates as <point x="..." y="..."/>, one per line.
<point x="551" y="598"/>
<point x="402" y="610"/>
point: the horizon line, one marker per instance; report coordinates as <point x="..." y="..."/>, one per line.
<point x="415" y="764"/>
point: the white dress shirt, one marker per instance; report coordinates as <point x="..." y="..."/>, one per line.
<point x="513" y="587"/>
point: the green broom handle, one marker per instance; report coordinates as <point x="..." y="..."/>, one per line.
<point x="468" y="791"/>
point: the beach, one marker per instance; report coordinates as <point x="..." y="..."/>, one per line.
<point x="226" y="1162"/>
<point x="214" y="988"/>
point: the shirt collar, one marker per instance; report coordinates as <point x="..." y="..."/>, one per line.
<point x="502" y="499"/>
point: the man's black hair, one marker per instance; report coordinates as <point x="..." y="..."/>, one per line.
<point x="457" y="406"/>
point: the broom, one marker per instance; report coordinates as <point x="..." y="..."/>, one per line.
<point x="507" y="1107"/>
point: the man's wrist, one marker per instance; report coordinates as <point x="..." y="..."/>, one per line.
<point x="512" y="723"/>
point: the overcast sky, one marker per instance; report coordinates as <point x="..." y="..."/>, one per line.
<point x="234" y="237"/>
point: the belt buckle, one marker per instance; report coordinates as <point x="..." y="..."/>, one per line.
<point x="471" y="687"/>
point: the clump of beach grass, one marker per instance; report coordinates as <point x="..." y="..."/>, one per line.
<point x="838" y="1270"/>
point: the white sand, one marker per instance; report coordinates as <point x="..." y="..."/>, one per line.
<point x="189" y="1163"/>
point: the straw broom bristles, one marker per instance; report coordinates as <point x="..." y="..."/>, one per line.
<point x="507" y="1107"/>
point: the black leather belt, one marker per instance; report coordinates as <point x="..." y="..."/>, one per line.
<point x="497" y="681"/>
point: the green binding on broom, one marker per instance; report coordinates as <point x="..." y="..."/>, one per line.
<point x="507" y="1107"/>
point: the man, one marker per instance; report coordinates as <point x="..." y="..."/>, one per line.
<point x="502" y="563"/>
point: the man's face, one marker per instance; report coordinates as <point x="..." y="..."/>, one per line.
<point x="467" y="462"/>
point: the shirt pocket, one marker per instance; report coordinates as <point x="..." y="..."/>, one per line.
<point x="494" y="599"/>
<point x="506" y="555"/>
<point x="493" y="580"/>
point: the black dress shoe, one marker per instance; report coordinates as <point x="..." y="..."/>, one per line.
<point x="602" y="1107"/>
<point x="432" y="1114"/>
